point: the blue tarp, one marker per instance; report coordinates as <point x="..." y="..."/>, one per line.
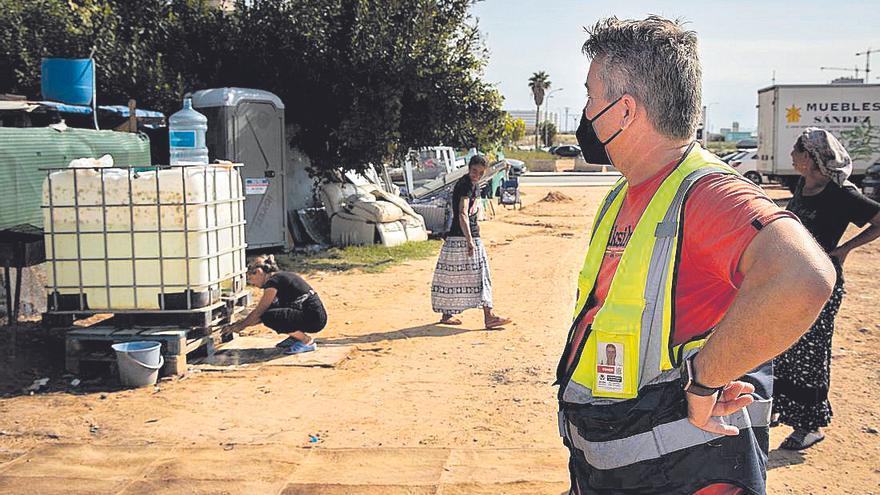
<point x="120" y="110"/>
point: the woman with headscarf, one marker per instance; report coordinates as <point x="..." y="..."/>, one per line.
<point x="461" y="277"/>
<point x="826" y="202"/>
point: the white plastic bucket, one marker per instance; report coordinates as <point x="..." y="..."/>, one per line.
<point x="138" y="362"/>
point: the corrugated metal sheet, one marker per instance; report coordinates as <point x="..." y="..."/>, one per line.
<point x="24" y="151"/>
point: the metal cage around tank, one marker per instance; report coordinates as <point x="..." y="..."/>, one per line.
<point x="71" y="299"/>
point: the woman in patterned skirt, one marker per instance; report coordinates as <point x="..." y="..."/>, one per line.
<point x="461" y="278"/>
<point x="826" y="202"/>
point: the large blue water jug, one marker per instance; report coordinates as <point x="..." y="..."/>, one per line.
<point x="186" y="136"/>
<point x="68" y="80"/>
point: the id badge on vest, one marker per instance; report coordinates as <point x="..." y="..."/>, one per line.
<point x="616" y="368"/>
<point x="609" y="368"/>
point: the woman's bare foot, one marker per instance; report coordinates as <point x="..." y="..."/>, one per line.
<point x="450" y="320"/>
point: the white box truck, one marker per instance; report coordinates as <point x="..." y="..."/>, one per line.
<point x="849" y="111"/>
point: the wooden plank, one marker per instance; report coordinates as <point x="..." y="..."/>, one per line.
<point x="128" y="334"/>
<point x="174" y="365"/>
<point x="175" y="347"/>
<point x="173" y="344"/>
<point x="93" y="332"/>
<point x="92" y="344"/>
<point x="196" y="344"/>
<point x="71" y="364"/>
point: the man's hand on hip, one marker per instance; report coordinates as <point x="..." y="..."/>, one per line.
<point x="703" y="412"/>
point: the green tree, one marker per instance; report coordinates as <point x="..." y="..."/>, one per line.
<point x="514" y="130"/>
<point x="539" y="83"/>
<point x="362" y="81"/>
<point x="548" y="131"/>
<point x="147" y="50"/>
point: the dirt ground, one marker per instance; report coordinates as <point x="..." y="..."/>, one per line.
<point x="420" y="389"/>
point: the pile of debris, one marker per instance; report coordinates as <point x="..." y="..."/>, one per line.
<point x="556" y="197"/>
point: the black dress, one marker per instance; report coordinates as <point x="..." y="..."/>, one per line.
<point x="803" y="373"/>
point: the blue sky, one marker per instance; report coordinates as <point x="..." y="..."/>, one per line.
<point x="741" y="44"/>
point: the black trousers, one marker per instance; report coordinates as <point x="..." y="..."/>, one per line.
<point x="310" y="317"/>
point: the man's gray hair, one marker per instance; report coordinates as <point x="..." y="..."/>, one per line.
<point x="654" y="60"/>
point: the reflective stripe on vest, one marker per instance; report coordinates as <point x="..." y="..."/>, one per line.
<point x="661" y="439"/>
<point x="637" y="313"/>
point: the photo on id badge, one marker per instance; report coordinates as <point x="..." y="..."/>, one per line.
<point x="609" y="369"/>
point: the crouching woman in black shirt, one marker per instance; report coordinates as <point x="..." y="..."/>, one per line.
<point x="289" y="305"/>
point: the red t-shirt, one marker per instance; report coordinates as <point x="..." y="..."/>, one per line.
<point x="721" y="217"/>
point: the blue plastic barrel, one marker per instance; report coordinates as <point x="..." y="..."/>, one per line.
<point x="68" y="80"/>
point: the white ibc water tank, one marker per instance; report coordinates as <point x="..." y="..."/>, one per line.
<point x="137" y="240"/>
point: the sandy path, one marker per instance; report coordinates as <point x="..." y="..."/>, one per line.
<point x="414" y="384"/>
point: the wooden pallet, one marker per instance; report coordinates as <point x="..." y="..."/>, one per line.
<point x="216" y="314"/>
<point x="93" y="345"/>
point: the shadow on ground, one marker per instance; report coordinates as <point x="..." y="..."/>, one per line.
<point x="30" y="352"/>
<point x="781" y="458"/>
<point x="430" y="330"/>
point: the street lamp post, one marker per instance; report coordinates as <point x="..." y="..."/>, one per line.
<point x="547" y="112"/>
<point x="706" y="122"/>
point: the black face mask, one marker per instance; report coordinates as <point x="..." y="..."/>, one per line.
<point x="592" y="147"/>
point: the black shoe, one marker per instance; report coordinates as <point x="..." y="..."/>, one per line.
<point x="800" y="440"/>
<point x="286" y="343"/>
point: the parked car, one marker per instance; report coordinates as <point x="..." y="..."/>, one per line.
<point x="727" y="156"/>
<point x="871" y="182"/>
<point x="568" y="151"/>
<point x="734" y="155"/>
<point x="747" y="164"/>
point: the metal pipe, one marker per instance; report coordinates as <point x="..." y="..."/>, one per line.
<point x="106" y="243"/>
<point x="78" y="239"/>
<point x="52" y="238"/>
<point x="133" y="257"/>
<point x="186" y="239"/>
<point x="149" y="231"/>
<point x="159" y="240"/>
<point x="151" y="258"/>
<point x="209" y="203"/>
<point x="216" y="224"/>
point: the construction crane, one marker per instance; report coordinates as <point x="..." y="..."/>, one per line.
<point x="854" y="69"/>
<point x="867" y="55"/>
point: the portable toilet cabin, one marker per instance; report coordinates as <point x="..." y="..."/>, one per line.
<point x="247" y="126"/>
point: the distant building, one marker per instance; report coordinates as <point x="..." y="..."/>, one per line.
<point x="737" y="135"/>
<point x="528" y="116"/>
<point x="848" y="80"/>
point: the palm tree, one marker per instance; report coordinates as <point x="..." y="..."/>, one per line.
<point x="539" y="83"/>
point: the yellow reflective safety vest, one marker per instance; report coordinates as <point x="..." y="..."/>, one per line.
<point x="629" y="343"/>
<point x="623" y="413"/>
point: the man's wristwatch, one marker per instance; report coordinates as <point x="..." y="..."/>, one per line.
<point x="689" y="380"/>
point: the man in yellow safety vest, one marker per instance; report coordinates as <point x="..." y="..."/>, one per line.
<point x="664" y="386"/>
